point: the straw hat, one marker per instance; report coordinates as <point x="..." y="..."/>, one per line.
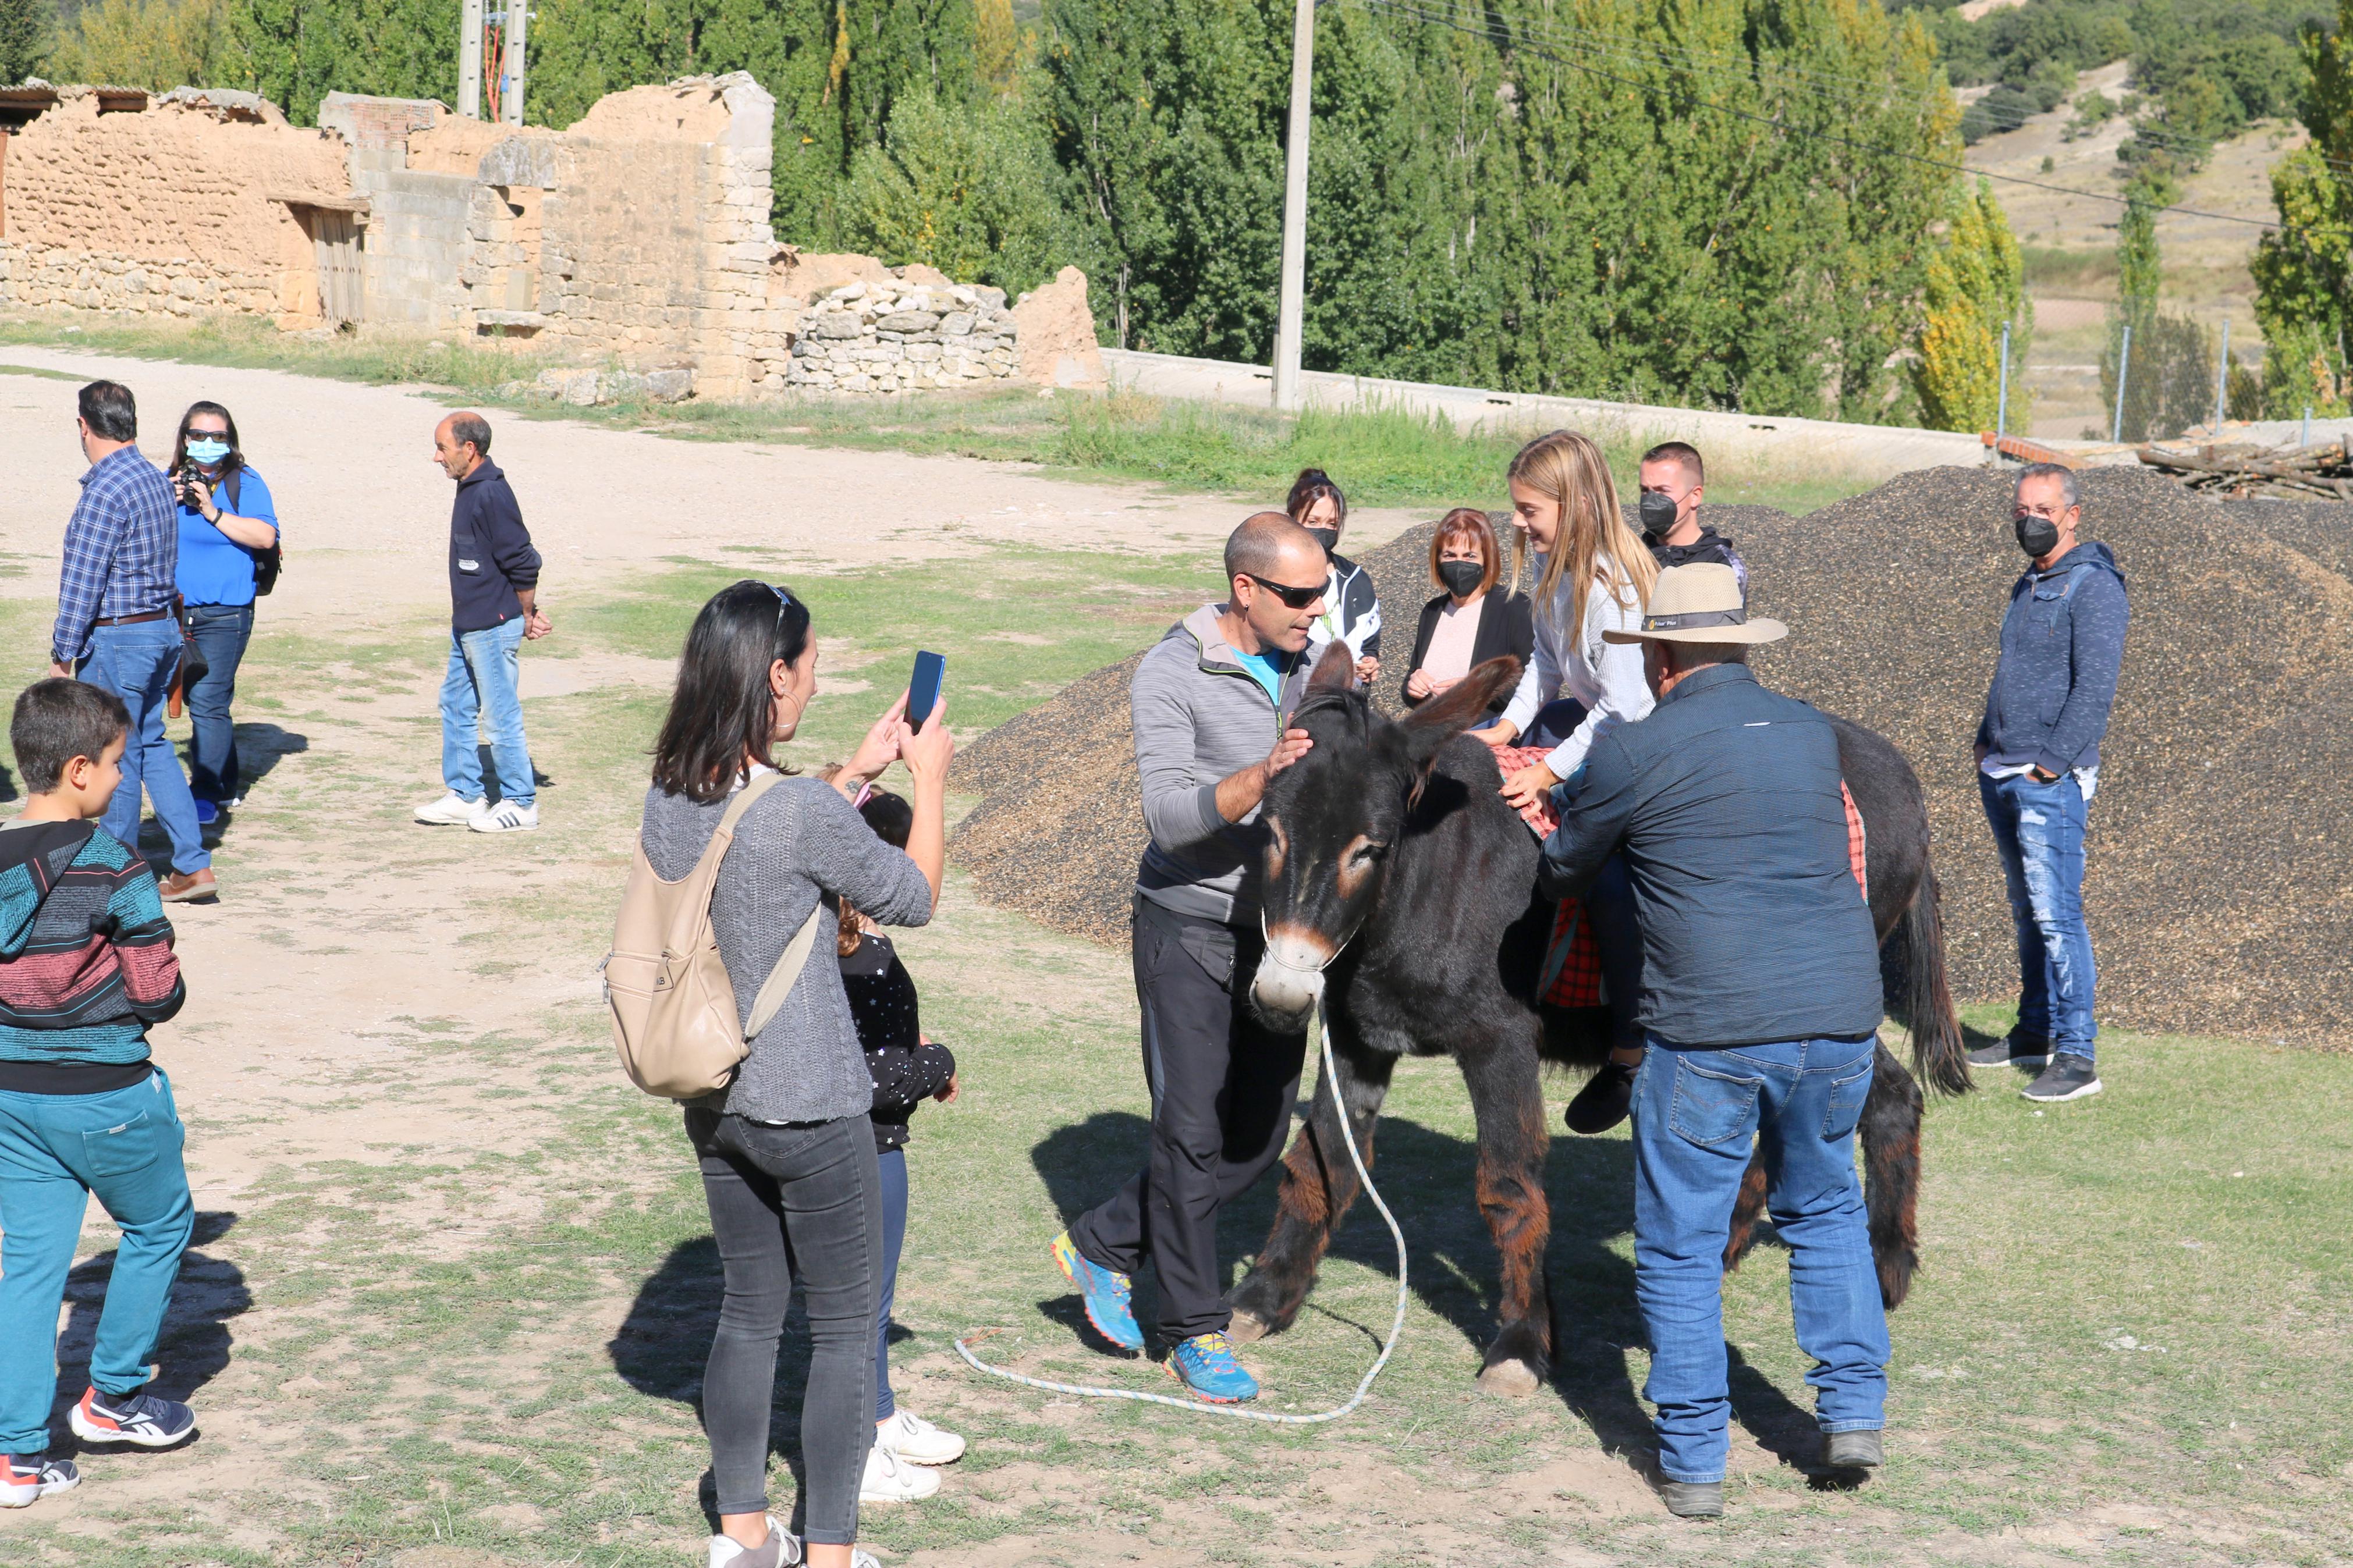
<point x="1699" y="603"/>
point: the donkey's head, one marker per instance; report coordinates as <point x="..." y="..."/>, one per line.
<point x="1333" y="818"/>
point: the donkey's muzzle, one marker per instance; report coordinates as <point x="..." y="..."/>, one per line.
<point x="1289" y="978"/>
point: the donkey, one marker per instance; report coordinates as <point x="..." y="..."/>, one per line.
<point x="1398" y="889"/>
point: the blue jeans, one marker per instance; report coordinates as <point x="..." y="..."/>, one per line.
<point x="221" y="632"/>
<point x="2039" y="830"/>
<point x="137" y="664"/>
<point x="481" y="688"/>
<point x="1696" y="1114"/>
<point x="56" y="1150"/>
<point x="892" y="1163"/>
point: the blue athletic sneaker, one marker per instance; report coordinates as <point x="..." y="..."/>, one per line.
<point x="1105" y="1293"/>
<point x="24" y="1479"/>
<point x="207" y="812"/>
<point x="137" y="1417"/>
<point x="1205" y="1364"/>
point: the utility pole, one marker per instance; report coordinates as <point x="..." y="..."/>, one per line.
<point x="510" y="87"/>
<point x="2222" y="380"/>
<point x="1291" y="305"/>
<point x="469" y="61"/>
<point x="2001" y="394"/>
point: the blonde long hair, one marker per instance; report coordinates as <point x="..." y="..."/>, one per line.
<point x="1569" y="469"/>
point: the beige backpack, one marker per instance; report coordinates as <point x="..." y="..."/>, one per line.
<point x="674" y="1007"/>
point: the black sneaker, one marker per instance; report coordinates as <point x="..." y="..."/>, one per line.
<point x="1854" y="1451"/>
<point x="1602" y="1103"/>
<point x="2069" y="1077"/>
<point x="1693" y="1500"/>
<point x="2016" y="1050"/>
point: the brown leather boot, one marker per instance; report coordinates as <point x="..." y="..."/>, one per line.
<point x="190" y="887"/>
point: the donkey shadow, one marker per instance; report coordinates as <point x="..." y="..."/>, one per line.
<point x="1426" y="1178"/>
<point x="194" y="1344"/>
<point x="662" y="1344"/>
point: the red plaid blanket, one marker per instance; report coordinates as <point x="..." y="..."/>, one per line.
<point x="1573" y="958"/>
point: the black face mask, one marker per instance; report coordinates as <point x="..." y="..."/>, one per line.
<point x="1658" y="516"/>
<point x="1460" y="576"/>
<point x="2038" y="536"/>
<point x="1329" y="538"/>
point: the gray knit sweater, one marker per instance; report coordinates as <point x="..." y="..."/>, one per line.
<point x="798" y="840"/>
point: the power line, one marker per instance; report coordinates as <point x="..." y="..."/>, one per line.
<point x="1404" y="8"/>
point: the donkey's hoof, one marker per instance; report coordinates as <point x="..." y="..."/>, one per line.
<point x="1244" y="1329"/>
<point x="1513" y="1379"/>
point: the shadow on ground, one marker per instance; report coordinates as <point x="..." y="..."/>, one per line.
<point x="192" y="1347"/>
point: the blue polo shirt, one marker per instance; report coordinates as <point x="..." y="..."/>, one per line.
<point x="214" y="568"/>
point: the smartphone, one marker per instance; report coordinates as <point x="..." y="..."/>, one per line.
<point x="923" y="687"/>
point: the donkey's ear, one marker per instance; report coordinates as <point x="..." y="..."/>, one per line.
<point x="1464" y="704"/>
<point x="1335" y="671"/>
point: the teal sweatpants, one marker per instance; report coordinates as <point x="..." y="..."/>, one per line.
<point x="55" y="1152"/>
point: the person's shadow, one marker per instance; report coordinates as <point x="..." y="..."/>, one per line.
<point x="194" y="1345"/>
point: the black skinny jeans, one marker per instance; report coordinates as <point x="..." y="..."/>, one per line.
<point x="792" y="1201"/>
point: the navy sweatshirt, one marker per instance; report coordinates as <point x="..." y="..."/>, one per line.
<point x="2063" y="643"/>
<point x="491" y="554"/>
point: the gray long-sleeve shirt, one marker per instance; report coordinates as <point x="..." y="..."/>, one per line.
<point x="1199" y="717"/>
<point x="797" y="844"/>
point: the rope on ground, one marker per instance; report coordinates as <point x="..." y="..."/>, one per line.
<point x="1242" y="1412"/>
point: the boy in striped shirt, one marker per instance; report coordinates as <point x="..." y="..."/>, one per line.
<point x="86" y="964"/>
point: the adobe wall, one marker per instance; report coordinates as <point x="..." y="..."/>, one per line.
<point x="167" y="210"/>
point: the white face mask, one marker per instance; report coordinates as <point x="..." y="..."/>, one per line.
<point x="206" y="449"/>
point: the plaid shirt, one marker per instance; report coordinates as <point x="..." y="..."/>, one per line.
<point x="122" y="547"/>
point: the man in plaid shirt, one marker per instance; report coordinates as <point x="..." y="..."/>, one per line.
<point x="116" y="627"/>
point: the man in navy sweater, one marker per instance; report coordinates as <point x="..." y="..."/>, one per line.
<point x="2038" y="751"/>
<point x="493" y="586"/>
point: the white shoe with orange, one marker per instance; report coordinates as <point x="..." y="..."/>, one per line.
<point x="26" y="1478"/>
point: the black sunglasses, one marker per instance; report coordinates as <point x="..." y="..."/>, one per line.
<point x="1293" y="598"/>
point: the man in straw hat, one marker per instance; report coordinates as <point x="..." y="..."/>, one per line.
<point x="1760" y="1005"/>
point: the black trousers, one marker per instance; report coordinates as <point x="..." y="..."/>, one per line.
<point x="1222" y="1091"/>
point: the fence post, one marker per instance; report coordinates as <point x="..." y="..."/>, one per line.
<point x="2306" y="439"/>
<point x="2123" y="368"/>
<point x="2222" y="381"/>
<point x="2002" y="396"/>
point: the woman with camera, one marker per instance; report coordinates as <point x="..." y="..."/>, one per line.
<point x="787" y="1149"/>
<point x="228" y="541"/>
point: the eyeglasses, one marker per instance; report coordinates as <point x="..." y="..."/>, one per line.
<point x="1293" y="598"/>
<point x="784" y="601"/>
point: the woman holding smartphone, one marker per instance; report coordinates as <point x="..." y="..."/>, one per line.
<point x="227" y="524"/>
<point x="787" y="1150"/>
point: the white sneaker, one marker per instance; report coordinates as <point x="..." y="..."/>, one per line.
<point x="917" y="1441"/>
<point x="506" y="817"/>
<point x="781" y="1549"/>
<point x="891" y="1479"/>
<point x="453" y="810"/>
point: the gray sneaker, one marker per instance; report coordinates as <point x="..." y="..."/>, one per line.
<point x="781" y="1549"/>
<point x="2016" y="1050"/>
<point x="2069" y="1077"/>
<point x="1854" y="1451"/>
<point x="1694" y="1500"/>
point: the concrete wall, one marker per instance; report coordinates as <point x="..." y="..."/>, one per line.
<point x="176" y="209"/>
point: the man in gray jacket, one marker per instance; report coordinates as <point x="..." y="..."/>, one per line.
<point x="1211" y="704"/>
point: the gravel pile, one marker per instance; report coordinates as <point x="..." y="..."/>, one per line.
<point x="2220" y="889"/>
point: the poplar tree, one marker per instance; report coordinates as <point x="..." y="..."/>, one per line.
<point x="24" y="31"/>
<point x="1976" y="285"/>
<point x="2304" y="269"/>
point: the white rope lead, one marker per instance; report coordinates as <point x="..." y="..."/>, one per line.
<point x="1242" y="1412"/>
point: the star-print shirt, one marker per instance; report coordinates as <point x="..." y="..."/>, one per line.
<point x="907" y="1069"/>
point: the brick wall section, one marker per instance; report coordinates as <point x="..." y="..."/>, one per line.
<point x="163" y="211"/>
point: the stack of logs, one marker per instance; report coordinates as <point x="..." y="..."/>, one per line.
<point x="2250" y="468"/>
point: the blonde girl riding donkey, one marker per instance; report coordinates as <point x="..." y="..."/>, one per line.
<point x="1593" y="575"/>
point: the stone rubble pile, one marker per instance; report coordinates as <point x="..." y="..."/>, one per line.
<point x="900" y="336"/>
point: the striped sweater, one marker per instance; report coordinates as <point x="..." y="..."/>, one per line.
<point x="85" y="959"/>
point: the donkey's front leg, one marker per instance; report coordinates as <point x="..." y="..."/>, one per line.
<point x="1507" y="1098"/>
<point x="1319" y="1182"/>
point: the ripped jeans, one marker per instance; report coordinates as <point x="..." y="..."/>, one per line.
<point x="2039" y="830"/>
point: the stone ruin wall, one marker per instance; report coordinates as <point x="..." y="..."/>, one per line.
<point x="172" y="209"/>
<point x="640" y="234"/>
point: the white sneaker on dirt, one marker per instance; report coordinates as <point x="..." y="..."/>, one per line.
<point x="889" y="1478"/>
<point x="917" y="1441"/>
<point x="781" y="1549"/>
<point x="506" y="817"/>
<point x="453" y="810"/>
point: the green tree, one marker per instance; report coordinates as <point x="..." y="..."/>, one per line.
<point x="26" y="29"/>
<point x="963" y="187"/>
<point x="2302" y="269"/>
<point x="155" y="44"/>
<point x="1976" y="286"/>
<point x="997" y="44"/>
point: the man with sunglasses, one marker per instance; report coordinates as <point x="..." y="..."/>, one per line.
<point x="2038" y="752"/>
<point x="494" y="599"/>
<point x="1212" y="702"/>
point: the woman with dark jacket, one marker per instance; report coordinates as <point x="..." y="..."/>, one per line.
<point x="1474" y="620"/>
<point x="786" y="1149"/>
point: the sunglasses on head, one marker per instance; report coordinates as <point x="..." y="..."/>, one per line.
<point x="1293" y="598"/>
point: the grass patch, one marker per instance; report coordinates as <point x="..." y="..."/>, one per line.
<point x="1391" y="457"/>
<point x="2050" y="266"/>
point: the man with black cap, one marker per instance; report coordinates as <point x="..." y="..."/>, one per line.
<point x="1760" y="1007"/>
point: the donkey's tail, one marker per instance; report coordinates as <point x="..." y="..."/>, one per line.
<point x="1939" y="1055"/>
<point x="1890" y="1133"/>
